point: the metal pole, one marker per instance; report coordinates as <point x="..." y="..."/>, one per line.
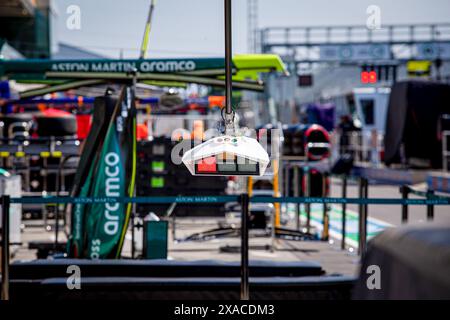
<point x="59" y="186"/>
<point x="307" y="193"/>
<point x="363" y="194"/>
<point x="366" y="214"/>
<point x="5" y="247"/>
<point x="276" y="192"/>
<point x="405" y="191"/>
<point x="229" y="121"/>
<point x="297" y="194"/>
<point x="272" y="233"/>
<point x="173" y="228"/>
<point x="287" y="187"/>
<point x="148" y="24"/>
<point x="445" y="151"/>
<point x="344" y="212"/>
<point x="244" y="247"/>
<point x="430" y="207"/>
<point x="133" y="236"/>
<point x="360" y="213"/>
<point x="325" y="220"/>
<point x="44" y="188"/>
<point x="250" y="186"/>
<point x="228" y="56"/>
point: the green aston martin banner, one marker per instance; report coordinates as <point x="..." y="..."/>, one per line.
<point x="37" y="68"/>
<point x="41" y="69"/>
<point x="104" y="222"/>
<point x="98" y="230"/>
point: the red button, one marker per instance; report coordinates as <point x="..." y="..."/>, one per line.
<point x="207" y="165"/>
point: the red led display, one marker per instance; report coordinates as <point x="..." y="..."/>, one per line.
<point x="372" y="77"/>
<point x="364" y="77"/>
<point x="369" y="77"/>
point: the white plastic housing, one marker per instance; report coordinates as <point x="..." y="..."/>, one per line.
<point x="246" y="150"/>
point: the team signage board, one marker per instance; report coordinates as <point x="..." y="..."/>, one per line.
<point x="20" y="68"/>
<point x="381" y="51"/>
<point x="37" y="68"/>
<point x="432" y="51"/>
<point x="354" y="52"/>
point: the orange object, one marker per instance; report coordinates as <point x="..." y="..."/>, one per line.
<point x="41" y="106"/>
<point x="141" y="131"/>
<point x="276" y="193"/>
<point x="216" y="101"/>
<point x="198" y="130"/>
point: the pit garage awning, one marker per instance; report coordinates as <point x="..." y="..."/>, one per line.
<point x="60" y="75"/>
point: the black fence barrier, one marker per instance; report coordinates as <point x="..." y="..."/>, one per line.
<point x="435" y="200"/>
<point x="406" y="190"/>
<point x="5" y="201"/>
<point x="363" y="201"/>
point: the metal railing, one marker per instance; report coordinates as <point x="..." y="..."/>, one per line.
<point x="365" y="148"/>
<point x="363" y="201"/>
<point x="445" y="150"/>
<point x="355" y="34"/>
<point x="305" y="42"/>
<point x="406" y="190"/>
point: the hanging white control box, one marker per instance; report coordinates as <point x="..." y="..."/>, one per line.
<point x="227" y="156"/>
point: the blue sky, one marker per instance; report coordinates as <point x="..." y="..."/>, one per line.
<point x="184" y="28"/>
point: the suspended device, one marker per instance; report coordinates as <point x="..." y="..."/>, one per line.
<point x="227" y="155"/>
<point x="230" y="154"/>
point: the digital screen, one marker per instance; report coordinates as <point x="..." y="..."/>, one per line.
<point x="226" y="164"/>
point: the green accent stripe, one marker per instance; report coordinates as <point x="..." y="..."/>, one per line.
<point x="130" y="193"/>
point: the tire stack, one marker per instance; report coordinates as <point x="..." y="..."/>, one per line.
<point x="293" y="144"/>
<point x="157" y="175"/>
<point x="296" y="138"/>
